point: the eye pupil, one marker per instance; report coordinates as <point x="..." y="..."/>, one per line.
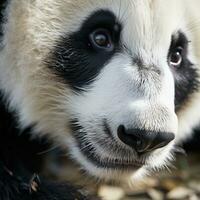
<point x="101" y="40"/>
<point x="176" y="57"/>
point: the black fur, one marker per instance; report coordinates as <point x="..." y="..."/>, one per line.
<point x="193" y="144"/>
<point x="20" y="161"/>
<point x="74" y="58"/>
<point x="13" y="187"/>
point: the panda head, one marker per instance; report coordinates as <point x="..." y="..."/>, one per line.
<point x="106" y="79"/>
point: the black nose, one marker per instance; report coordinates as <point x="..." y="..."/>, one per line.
<point x="144" y="141"/>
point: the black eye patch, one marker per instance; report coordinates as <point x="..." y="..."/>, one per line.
<point x="179" y="40"/>
<point x="186" y="75"/>
<point x="74" y="58"/>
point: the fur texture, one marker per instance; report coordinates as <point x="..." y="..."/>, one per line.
<point x="53" y="77"/>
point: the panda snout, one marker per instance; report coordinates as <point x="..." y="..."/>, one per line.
<point x="144" y="141"/>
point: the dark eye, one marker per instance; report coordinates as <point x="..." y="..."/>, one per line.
<point x="175" y="57"/>
<point x="101" y="39"/>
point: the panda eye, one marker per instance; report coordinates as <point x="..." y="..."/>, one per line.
<point x="176" y="57"/>
<point x="101" y="39"/>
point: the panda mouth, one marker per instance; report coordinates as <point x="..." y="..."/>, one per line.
<point x="88" y="151"/>
<point x="109" y="163"/>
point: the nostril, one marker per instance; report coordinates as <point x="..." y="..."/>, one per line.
<point x="132" y="140"/>
<point x="162" y="139"/>
<point x="142" y="140"/>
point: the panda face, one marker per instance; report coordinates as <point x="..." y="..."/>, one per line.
<point x="105" y="79"/>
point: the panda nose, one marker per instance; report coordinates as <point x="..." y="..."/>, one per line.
<point x="144" y="141"/>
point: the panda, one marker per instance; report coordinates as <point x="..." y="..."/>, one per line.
<point x="115" y="83"/>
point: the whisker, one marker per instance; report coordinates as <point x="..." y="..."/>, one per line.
<point x="48" y="150"/>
